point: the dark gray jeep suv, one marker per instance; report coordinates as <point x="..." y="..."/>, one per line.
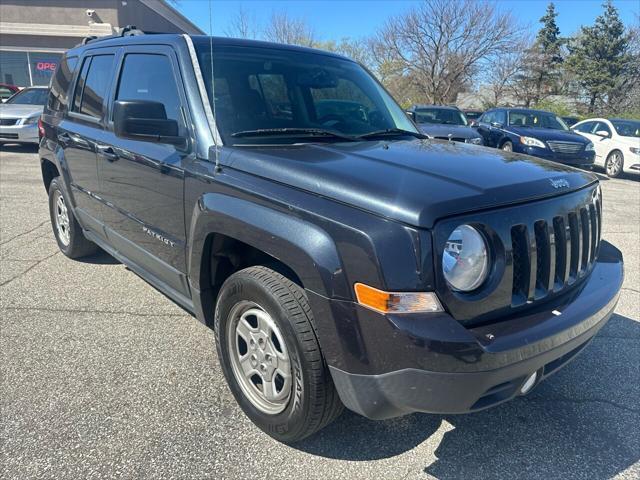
<point x="282" y="196"/>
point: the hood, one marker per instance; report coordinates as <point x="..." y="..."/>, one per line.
<point x="442" y="130"/>
<point x="415" y="182"/>
<point x="19" y="111"/>
<point x="547" y="134"/>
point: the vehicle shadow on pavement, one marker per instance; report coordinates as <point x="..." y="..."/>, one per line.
<point x="99" y="258"/>
<point x="581" y="422"/>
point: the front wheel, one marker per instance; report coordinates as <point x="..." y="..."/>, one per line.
<point x="270" y="355"/>
<point x="614" y="164"/>
<point x="507" y="147"/>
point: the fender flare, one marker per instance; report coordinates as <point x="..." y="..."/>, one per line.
<point x="304" y="247"/>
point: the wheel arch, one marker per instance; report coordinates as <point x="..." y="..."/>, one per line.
<point x="229" y="233"/>
<point x="49" y="172"/>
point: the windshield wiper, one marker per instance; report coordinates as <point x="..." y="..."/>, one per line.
<point x="392" y="131"/>
<point x="313" y="132"/>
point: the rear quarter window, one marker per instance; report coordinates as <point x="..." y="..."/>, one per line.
<point x="60" y="83"/>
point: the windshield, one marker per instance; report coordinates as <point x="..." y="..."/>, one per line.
<point x="627" y="128"/>
<point x="29" y="96"/>
<point x="440" y="115"/>
<point x="294" y="94"/>
<point x="537" y="120"/>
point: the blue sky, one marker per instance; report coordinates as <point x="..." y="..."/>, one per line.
<point x="335" y="19"/>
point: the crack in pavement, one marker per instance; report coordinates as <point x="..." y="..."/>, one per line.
<point x="28" y="269"/>
<point x="25" y="233"/>
<point x="580" y="401"/>
<point x="630" y="289"/>
<point x="81" y="310"/>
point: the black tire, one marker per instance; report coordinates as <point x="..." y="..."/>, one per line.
<point x="507" y="146"/>
<point x="614" y="170"/>
<point x="77" y="245"/>
<point x="313" y="402"/>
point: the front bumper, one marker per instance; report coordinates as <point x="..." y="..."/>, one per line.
<point x="434" y="364"/>
<point x="584" y="158"/>
<point x="19" y="133"/>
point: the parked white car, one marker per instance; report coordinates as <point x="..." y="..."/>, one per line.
<point x="19" y="115"/>
<point x="616" y="141"/>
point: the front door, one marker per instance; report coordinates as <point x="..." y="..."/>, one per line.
<point x="142" y="182"/>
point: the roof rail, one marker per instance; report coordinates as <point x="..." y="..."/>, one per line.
<point x="128" y="31"/>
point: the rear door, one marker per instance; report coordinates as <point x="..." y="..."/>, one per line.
<point x="142" y="182"/>
<point x="81" y="130"/>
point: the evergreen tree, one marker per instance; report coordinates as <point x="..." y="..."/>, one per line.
<point x="599" y="57"/>
<point x="541" y="73"/>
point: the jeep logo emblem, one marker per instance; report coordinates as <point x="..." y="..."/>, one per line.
<point x="562" y="183"/>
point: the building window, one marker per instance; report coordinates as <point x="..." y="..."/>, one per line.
<point x="14" y="68"/>
<point x="43" y="65"/>
<point x="25" y="69"/>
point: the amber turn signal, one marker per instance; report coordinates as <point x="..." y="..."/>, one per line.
<point x="394" y="302"/>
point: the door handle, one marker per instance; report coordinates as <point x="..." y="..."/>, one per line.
<point x="108" y="153"/>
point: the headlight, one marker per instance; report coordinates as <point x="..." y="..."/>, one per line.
<point x="30" y="120"/>
<point x="465" y="261"/>
<point x="532" y="142"/>
<point x="589" y="147"/>
<point x="635" y="150"/>
<point x="475" y="141"/>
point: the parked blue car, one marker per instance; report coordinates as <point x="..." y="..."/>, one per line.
<point x="535" y="132"/>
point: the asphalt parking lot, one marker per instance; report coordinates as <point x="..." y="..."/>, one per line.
<point x="104" y="377"/>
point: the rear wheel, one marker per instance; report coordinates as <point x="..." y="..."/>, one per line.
<point x="614" y="164"/>
<point x="66" y="229"/>
<point x="270" y="355"/>
<point x="507" y="146"/>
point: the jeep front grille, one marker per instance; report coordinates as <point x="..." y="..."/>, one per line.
<point x="554" y="253"/>
<point x="565" y="147"/>
<point x="539" y="250"/>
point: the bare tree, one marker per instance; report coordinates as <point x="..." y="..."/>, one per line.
<point x="503" y="72"/>
<point x="439" y="45"/>
<point x="242" y="25"/>
<point x="293" y="31"/>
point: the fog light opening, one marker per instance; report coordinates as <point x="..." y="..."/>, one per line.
<point x="529" y="383"/>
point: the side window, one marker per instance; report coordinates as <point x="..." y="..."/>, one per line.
<point x="501" y="117"/>
<point x="602" y="127"/>
<point x="487" y="117"/>
<point x="586" y="127"/>
<point x="58" y="95"/>
<point x="94" y="82"/>
<point x="146" y="76"/>
<point x="82" y="78"/>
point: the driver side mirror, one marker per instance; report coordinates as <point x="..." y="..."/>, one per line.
<point x="603" y="134"/>
<point x="146" y="121"/>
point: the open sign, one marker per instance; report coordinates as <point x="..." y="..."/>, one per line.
<point x="46" y="66"/>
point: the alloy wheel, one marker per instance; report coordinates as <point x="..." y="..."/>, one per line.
<point x="614" y="165"/>
<point x="62" y="219"/>
<point x="259" y="357"/>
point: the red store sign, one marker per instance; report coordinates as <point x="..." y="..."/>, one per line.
<point x="46" y="66"/>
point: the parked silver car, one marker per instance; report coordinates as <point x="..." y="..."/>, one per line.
<point x="19" y="115"/>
